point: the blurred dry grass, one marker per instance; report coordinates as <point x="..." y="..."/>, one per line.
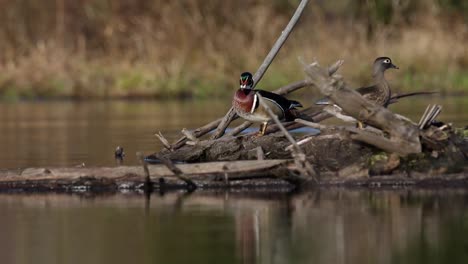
<point x="105" y="48"/>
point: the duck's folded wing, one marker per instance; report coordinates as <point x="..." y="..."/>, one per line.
<point x="366" y="90"/>
<point x="283" y="102"/>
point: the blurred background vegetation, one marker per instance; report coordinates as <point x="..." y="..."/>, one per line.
<point x="185" y="48"/>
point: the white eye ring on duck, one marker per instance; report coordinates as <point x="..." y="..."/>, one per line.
<point x="387" y="61"/>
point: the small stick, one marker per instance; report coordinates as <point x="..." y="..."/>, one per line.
<point x="226" y="176"/>
<point x="178" y="173"/>
<point x="335" y="67"/>
<point x="278" y="123"/>
<point x="189" y="135"/>
<point x="260" y="153"/>
<point x="300" y="142"/>
<point x="148" y="185"/>
<point x="431" y="112"/>
<point x="310" y="124"/>
<point x="299" y="156"/>
<point x="238" y="129"/>
<point x="164" y="141"/>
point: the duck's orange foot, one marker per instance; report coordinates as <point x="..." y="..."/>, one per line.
<point x="257" y="135"/>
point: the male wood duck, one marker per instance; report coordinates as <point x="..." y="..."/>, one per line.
<point x="247" y="105"/>
<point x="380" y="92"/>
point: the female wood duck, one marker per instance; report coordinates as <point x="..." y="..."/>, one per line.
<point x="246" y="103"/>
<point x="380" y="92"/>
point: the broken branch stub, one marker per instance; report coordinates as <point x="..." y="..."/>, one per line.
<point x="404" y="136"/>
<point x="164" y="141"/>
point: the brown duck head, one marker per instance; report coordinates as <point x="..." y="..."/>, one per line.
<point x="381" y="64"/>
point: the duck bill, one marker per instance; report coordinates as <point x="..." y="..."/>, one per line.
<point x="394" y="66"/>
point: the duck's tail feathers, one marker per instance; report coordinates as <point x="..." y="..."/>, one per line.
<point x="294" y="104"/>
<point x="395" y="98"/>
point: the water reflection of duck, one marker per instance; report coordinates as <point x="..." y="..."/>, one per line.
<point x="246" y="103"/>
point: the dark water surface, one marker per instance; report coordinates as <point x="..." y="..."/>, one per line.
<point x="328" y="226"/>
<point x="67" y="133"/>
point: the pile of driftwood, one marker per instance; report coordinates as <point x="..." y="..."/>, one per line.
<point x="391" y="150"/>
<point x="390" y="145"/>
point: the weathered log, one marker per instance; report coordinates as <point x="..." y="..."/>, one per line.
<point x="340" y="160"/>
<point x="131" y="177"/>
<point x="248" y="175"/>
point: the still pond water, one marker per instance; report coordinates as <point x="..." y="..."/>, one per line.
<point x="327" y="226"/>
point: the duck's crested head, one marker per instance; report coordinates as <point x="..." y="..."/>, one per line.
<point x="382" y="64"/>
<point x="246" y="80"/>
